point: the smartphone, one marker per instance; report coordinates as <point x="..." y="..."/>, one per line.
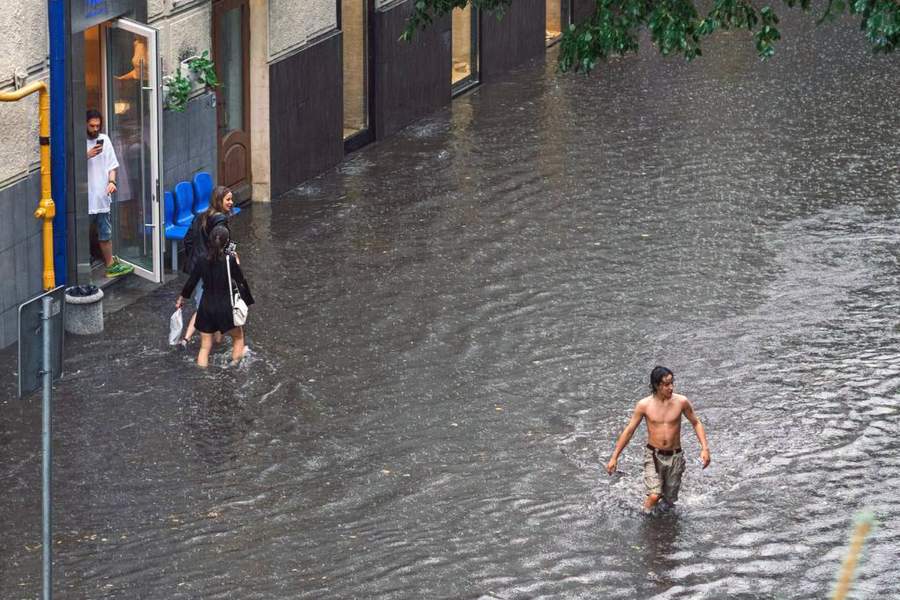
<point x="100" y="142"/>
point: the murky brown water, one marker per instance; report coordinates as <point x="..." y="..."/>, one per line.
<point x="453" y="327"/>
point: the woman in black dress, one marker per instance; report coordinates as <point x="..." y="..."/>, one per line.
<point x="196" y="243"/>
<point x="214" y="314"/>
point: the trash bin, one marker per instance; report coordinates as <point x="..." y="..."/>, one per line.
<point x="84" y="309"/>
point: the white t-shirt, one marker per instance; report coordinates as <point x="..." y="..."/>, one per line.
<point x="98" y="175"/>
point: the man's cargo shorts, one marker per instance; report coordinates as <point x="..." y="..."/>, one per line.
<point x="662" y="472"/>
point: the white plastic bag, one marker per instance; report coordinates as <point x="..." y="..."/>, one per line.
<point x="175" y="326"/>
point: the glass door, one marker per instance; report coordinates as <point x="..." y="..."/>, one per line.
<point x="464" y="48"/>
<point x="134" y="111"/>
<point x="231" y="53"/>
<point x="555" y="21"/>
<point x="354" y="23"/>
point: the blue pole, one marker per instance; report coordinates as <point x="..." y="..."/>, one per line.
<point x="58" y="24"/>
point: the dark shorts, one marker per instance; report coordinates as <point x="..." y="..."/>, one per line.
<point x="104" y="226"/>
<point x="662" y="474"/>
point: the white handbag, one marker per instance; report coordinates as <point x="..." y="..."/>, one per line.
<point x="239" y="308"/>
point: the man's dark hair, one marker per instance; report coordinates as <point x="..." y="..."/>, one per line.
<point x="93" y="113"/>
<point x="657" y="375"/>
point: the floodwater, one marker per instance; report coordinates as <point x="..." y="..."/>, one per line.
<point x="453" y="326"/>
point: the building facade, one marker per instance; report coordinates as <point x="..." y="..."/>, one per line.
<point x="301" y="84"/>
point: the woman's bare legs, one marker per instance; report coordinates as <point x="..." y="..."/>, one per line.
<point x="191" y="328"/>
<point x="189" y="332"/>
<point x="237" y="345"/>
<point x="206" y="342"/>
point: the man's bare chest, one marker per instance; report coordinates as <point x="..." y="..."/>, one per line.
<point x="664" y="415"/>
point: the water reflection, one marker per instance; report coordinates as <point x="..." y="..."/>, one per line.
<point x="659" y="536"/>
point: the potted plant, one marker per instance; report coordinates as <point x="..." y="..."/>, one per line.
<point x="201" y="74"/>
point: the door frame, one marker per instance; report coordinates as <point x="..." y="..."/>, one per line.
<point x="367" y="136"/>
<point x="153" y="86"/>
<point x="243" y="191"/>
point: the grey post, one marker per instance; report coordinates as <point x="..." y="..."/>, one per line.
<point x="47" y="462"/>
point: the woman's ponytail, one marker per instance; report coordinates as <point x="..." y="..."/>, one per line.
<point x="218" y="239"/>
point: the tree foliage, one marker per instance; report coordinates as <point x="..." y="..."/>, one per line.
<point x="677" y="26"/>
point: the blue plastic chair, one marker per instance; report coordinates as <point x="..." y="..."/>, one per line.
<point x="203" y="187"/>
<point x="173" y="232"/>
<point x="184" y="202"/>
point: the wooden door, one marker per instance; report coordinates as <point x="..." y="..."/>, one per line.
<point x="231" y="54"/>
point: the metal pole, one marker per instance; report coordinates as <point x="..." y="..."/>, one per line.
<point x="47" y="463"/>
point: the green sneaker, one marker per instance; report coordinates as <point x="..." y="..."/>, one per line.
<point x="118" y="268"/>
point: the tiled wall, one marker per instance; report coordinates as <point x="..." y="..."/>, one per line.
<point x="189" y="141"/>
<point x="306" y="106"/>
<point x="21" y="252"/>
<point x="412" y="79"/>
<point x="517" y="37"/>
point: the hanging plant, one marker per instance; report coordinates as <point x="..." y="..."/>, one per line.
<point x="204" y="69"/>
<point x="178" y="90"/>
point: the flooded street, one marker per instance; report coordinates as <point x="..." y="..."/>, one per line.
<point x="453" y="326"/>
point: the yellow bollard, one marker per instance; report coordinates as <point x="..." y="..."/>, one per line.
<point x="46" y="209"/>
<point x="864" y="524"/>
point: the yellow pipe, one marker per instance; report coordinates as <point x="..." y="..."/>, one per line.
<point x="46" y="209"/>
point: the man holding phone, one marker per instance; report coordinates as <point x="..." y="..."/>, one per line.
<point x="101" y="170"/>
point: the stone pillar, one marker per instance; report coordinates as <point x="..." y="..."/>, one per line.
<point x="260" y="164"/>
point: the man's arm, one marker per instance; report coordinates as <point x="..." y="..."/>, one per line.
<point x="625" y="437"/>
<point x="698" y="429"/>
<point x="111" y="185"/>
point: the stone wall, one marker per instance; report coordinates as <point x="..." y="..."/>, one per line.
<point x="185" y="29"/>
<point x="23" y="48"/>
<point x="295" y="23"/>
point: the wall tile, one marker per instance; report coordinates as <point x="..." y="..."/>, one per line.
<point x="307" y="104"/>
<point x="23" y="287"/>
<point x="7" y="225"/>
<point x="517" y="37"/>
<point x="9" y="326"/>
<point x="25" y="199"/>
<point x="8" y="295"/>
<point x="35" y="249"/>
<point x="189" y="141"/>
<point x="412" y="79"/>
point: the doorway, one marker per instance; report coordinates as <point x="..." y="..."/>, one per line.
<point x="231" y="55"/>
<point x="355" y="18"/>
<point x="556" y="18"/>
<point x="122" y="82"/>
<point x="464" y="49"/>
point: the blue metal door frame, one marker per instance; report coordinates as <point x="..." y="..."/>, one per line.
<point x="59" y="91"/>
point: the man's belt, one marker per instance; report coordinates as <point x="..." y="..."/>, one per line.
<point x="662" y="452"/>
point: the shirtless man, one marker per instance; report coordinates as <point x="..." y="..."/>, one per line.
<point x="663" y="458"/>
